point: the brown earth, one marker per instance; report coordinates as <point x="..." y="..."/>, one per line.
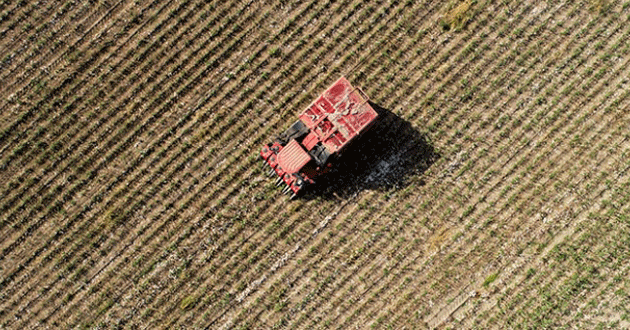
<point x="493" y="194"/>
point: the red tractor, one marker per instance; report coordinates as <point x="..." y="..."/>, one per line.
<point x="310" y="147"/>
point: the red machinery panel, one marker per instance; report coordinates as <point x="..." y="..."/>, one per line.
<point x="292" y="158"/>
<point x="338" y="115"/>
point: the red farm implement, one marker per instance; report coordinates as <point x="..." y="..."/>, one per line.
<point x="310" y="147"/>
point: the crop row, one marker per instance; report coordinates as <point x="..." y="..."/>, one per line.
<point x="157" y="204"/>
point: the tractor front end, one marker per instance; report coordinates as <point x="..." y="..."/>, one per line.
<point x="288" y="162"/>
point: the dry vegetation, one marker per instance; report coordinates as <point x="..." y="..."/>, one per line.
<point x="458" y="15"/>
<point x="132" y="196"/>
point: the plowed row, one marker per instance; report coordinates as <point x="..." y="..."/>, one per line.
<point x="132" y="195"/>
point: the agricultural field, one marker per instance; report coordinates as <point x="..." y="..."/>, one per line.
<point x="493" y="193"/>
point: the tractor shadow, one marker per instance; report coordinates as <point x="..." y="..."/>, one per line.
<point x="391" y="155"/>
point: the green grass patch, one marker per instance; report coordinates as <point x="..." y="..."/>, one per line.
<point x="491" y="278"/>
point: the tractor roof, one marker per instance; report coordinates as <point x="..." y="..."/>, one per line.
<point x="338" y="115"/>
